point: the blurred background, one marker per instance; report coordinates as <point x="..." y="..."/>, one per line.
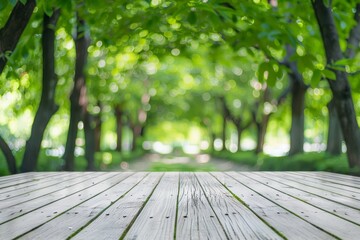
<point x="176" y="86"/>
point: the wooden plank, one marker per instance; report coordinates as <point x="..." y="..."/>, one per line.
<point x="338" y="176"/>
<point x="64" y="186"/>
<point x="71" y="221"/>
<point x="324" y="220"/>
<point x="25" y="179"/>
<point x="157" y="218"/>
<point x="342" y="190"/>
<point x="113" y="222"/>
<point x="237" y="220"/>
<point x="16" y="210"/>
<point x="336" y="182"/>
<point x="317" y="200"/>
<point x="38" y="217"/>
<point x="288" y="224"/>
<point x="195" y="218"/>
<point x="49" y="182"/>
<point x="345" y="198"/>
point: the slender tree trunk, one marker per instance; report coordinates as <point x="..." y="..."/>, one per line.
<point x="340" y="87"/>
<point x="334" y="142"/>
<point x="223" y="133"/>
<point x="261" y="133"/>
<point x="119" y="127"/>
<point x="298" y="91"/>
<point x="239" y="133"/>
<point x="9" y="37"/>
<point x="89" y="132"/>
<point x="297" y="117"/>
<point x="9" y="156"/>
<point x="47" y="107"/>
<point x="98" y="128"/>
<point x="13" y="29"/>
<point x="78" y="98"/>
<point x="136" y="130"/>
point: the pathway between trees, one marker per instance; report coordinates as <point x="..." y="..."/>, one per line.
<point x="199" y="161"/>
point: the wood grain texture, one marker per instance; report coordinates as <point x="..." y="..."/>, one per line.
<point x="324" y="220"/>
<point x="196" y="219"/>
<point x="219" y="205"/>
<point x="43" y="188"/>
<point x="47" y="212"/>
<point x="237" y="220"/>
<point x="316" y="200"/>
<point x="157" y="219"/>
<point x="276" y="216"/>
<point x="113" y="222"/>
<point x="71" y="221"/>
<point x="13" y="208"/>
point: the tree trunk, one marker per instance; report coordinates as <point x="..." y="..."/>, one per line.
<point x="119" y="127"/>
<point x="136" y="130"/>
<point x="223" y="133"/>
<point x="334" y="141"/>
<point x="9" y="37"/>
<point x="297" y="117"/>
<point x="261" y="133"/>
<point x="98" y="128"/>
<point x="340" y="87"/>
<point x="239" y="133"/>
<point x="9" y="156"/>
<point x="298" y="90"/>
<point x="78" y="96"/>
<point x="47" y="107"/>
<point x="13" y="29"/>
<point x="89" y="132"/>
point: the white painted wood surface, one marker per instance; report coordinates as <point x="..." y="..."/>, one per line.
<point x="218" y="205"/>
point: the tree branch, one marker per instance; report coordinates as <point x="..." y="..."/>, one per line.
<point x="14" y="27"/>
<point x="354" y="36"/>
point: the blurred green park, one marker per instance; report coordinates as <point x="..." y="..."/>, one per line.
<point x="98" y="85"/>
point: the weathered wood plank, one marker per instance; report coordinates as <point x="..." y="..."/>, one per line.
<point x="324" y="220"/>
<point x="62" y="185"/>
<point x="49" y="182"/>
<point x="347" y="199"/>
<point x="113" y="222"/>
<point x="157" y="218"/>
<point x="347" y="191"/>
<point x="339" y="184"/>
<point x="38" y="217"/>
<point x="237" y="220"/>
<point x="71" y="221"/>
<point x="17" y="206"/>
<point x="195" y="218"/>
<point x="32" y="179"/>
<point x="336" y="208"/>
<point x="288" y="224"/>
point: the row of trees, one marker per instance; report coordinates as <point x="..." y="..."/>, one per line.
<point x="211" y="62"/>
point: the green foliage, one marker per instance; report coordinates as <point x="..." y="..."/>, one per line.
<point x="302" y="162"/>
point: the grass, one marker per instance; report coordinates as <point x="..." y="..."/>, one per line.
<point x="313" y="161"/>
<point x="180" y="167"/>
<point x="105" y="160"/>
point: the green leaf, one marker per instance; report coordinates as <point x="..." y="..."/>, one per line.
<point x="329" y="74"/>
<point x="23" y="1"/>
<point x="271" y="79"/>
<point x="261" y="70"/>
<point x="315" y="79"/>
<point x="3" y="4"/>
<point x="192" y="17"/>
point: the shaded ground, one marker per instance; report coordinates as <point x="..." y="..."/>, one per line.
<point x="200" y="162"/>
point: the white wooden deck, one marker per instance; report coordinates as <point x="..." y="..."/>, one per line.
<point x="230" y="205"/>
